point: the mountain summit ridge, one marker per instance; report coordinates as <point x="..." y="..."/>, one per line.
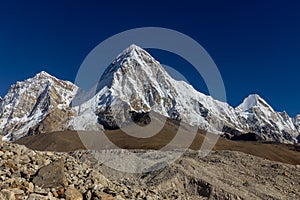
<point x="135" y="83"/>
<point x="28" y="103"/>
<point x="251" y="101"/>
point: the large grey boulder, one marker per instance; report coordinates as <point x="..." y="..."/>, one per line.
<point x="51" y="175"/>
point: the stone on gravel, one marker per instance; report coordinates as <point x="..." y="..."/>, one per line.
<point x="51" y="175"/>
<point x="8" y="195"/>
<point x="37" y="197"/>
<point x="73" y="194"/>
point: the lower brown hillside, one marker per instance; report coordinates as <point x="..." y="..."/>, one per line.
<point x="70" y="141"/>
<point x="28" y="174"/>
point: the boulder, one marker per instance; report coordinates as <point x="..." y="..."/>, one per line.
<point x="73" y="194"/>
<point x="7" y="195"/>
<point x="51" y="175"/>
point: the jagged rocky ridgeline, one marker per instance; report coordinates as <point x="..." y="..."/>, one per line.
<point x="135" y="84"/>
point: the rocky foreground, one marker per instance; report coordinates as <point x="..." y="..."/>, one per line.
<point x="34" y="175"/>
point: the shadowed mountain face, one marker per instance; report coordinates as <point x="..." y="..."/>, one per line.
<point x="131" y="88"/>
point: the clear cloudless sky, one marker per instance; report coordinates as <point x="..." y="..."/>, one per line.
<point x="255" y="44"/>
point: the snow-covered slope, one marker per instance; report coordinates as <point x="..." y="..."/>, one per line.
<point x="260" y="118"/>
<point x="296" y="121"/>
<point x="135" y="84"/>
<point x="29" y="103"/>
<point x="254" y="100"/>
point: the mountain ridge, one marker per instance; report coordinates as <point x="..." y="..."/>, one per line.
<point x="28" y="103"/>
<point x="136" y="83"/>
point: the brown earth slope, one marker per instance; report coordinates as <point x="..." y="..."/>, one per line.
<point x="70" y="141"/>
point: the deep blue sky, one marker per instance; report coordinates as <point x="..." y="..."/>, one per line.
<point x="255" y="44"/>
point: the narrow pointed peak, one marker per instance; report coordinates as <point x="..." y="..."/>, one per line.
<point x="251" y="101"/>
<point x="253" y="97"/>
<point x="44" y="74"/>
<point x="134" y="47"/>
<point x="131" y="56"/>
<point x="129" y="51"/>
<point x="296" y="121"/>
<point x="285" y="115"/>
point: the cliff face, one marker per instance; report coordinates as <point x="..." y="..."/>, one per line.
<point x="39" y="103"/>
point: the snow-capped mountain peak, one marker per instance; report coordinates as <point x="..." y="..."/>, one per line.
<point x="130" y="58"/>
<point x="29" y="102"/>
<point x="134" y="84"/>
<point x="253" y="100"/>
<point x="129" y="50"/>
<point x="297" y="119"/>
<point x="259" y="117"/>
<point x="139" y="83"/>
<point x="297" y="123"/>
<point x="132" y="51"/>
<point x="44" y="74"/>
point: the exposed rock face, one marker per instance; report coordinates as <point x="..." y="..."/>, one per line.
<point x="297" y="122"/>
<point x="136" y="84"/>
<point x="37" y="105"/>
<point x="221" y="175"/>
<point x="133" y="86"/>
<point x="260" y="118"/>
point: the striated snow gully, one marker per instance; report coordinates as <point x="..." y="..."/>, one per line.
<point x="134" y="85"/>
